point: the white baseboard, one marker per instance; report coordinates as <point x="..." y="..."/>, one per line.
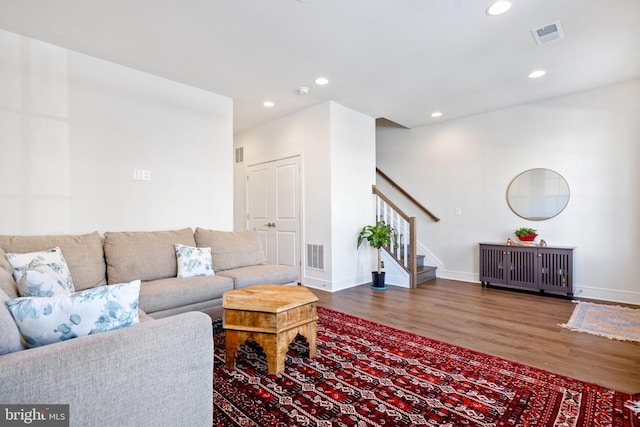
<point x="612" y="295"/>
<point x="323" y="285"/>
<point x="458" y="275"/>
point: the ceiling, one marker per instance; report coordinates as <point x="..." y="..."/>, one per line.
<point x="394" y="59"/>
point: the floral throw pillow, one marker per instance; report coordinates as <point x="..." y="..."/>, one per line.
<point x="41" y="280"/>
<point x="193" y="261"/>
<point x="45" y="320"/>
<point x="30" y="264"/>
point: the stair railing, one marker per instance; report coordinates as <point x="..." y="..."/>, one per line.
<point x="404" y="249"/>
<point x="407" y="195"/>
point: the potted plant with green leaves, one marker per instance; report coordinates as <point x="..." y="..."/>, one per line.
<point x="526" y="234"/>
<point x="378" y="236"/>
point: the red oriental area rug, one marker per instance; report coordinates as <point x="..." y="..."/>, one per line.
<point x="367" y="374"/>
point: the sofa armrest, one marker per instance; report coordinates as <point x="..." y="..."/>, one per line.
<point x="157" y="373"/>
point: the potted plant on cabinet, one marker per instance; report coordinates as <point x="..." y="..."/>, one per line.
<point x="526" y="234"/>
<point x="378" y="236"/>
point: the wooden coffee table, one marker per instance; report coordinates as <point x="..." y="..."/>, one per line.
<point x="272" y="316"/>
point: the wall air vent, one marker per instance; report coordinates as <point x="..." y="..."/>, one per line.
<point x="315" y="256"/>
<point x="239" y="154"/>
<point x="548" y="33"/>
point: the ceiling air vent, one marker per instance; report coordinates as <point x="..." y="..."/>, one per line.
<point x="548" y="33"/>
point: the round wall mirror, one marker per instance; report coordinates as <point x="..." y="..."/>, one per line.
<point x="538" y="194"/>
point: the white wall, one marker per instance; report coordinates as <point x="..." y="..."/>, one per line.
<point x="353" y="165"/>
<point x="322" y="136"/>
<point x="73" y="128"/>
<point x="306" y="134"/>
<point x="591" y="138"/>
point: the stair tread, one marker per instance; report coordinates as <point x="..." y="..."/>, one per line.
<point x="426" y="273"/>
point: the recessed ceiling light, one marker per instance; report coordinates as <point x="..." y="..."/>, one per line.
<point x="268" y="104"/>
<point x="321" y="81"/>
<point x="436" y="114"/>
<point x="537" y="73"/>
<point x="499" y="7"/>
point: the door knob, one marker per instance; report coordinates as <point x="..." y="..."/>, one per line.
<point x="270" y="224"/>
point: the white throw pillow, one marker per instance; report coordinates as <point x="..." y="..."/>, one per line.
<point x="193" y="261"/>
<point x="45" y="320"/>
<point x="41" y="280"/>
<point x="22" y="263"/>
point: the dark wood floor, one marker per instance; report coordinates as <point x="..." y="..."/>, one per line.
<point x="518" y="326"/>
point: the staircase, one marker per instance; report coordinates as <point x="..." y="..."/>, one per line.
<point x="404" y="251"/>
<point x="424" y="272"/>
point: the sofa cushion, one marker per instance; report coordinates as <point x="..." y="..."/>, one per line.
<point x="230" y="249"/>
<point x="41" y="274"/>
<point x="45" y="320"/>
<point x="143" y="317"/>
<point x="83" y="254"/>
<point x="259" y="274"/>
<point x="144" y="255"/>
<point x="193" y="262"/>
<point x="7" y="283"/>
<point x="9" y="334"/>
<point x="204" y="306"/>
<point x="165" y="294"/>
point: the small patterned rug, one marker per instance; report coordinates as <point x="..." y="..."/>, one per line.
<point x="369" y="375"/>
<point x="611" y="321"/>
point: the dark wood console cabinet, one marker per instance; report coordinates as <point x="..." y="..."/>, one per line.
<point x="540" y="268"/>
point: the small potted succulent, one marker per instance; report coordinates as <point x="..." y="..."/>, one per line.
<point x="526" y="234"/>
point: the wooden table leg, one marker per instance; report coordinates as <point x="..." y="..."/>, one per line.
<point x="232" y="345"/>
<point x="311" y="332"/>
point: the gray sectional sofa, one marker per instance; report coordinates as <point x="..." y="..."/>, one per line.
<point x="238" y="261"/>
<point x="158" y="372"/>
